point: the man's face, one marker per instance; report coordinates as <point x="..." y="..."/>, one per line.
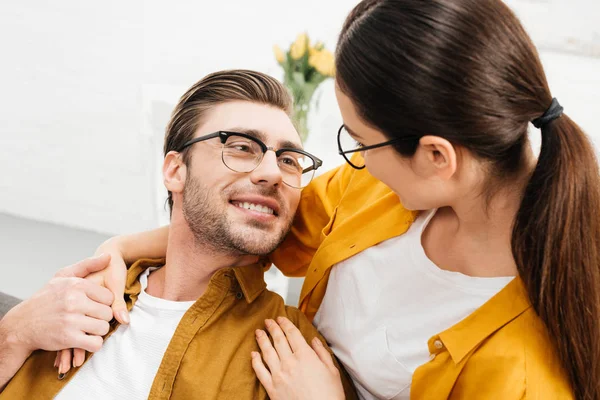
<point x="233" y="212"/>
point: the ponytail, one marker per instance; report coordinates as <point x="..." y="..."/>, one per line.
<point x="556" y="245"/>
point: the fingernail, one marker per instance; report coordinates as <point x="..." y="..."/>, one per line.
<point x="98" y="256"/>
<point x="124" y="315"/>
<point x="317" y="342"/>
<point x="64" y="367"/>
<point x="259" y="332"/>
<point x="61" y="376"/>
<point x="254" y="354"/>
<point x="279" y="320"/>
<point x="268" y="322"/>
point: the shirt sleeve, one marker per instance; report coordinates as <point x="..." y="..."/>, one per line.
<point x="317" y="206"/>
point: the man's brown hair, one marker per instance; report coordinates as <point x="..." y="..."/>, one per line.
<point x="214" y="89"/>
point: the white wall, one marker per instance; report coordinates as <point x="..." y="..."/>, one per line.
<point x="85" y="88"/>
<point x="73" y="148"/>
<point x="70" y="144"/>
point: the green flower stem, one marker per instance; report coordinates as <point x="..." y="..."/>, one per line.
<point x="302" y="94"/>
<point x="301" y="119"/>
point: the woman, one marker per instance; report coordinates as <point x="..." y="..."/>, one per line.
<point x="492" y="290"/>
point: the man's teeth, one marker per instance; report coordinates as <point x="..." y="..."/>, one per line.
<point x="255" y="207"/>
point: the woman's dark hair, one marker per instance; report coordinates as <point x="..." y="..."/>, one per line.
<point x="466" y="70"/>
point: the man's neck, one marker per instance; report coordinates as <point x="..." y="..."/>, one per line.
<point x="189" y="265"/>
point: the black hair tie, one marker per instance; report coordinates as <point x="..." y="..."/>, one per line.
<point x="554" y="111"/>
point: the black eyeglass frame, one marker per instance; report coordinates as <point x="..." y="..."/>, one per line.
<point x="343" y="152"/>
<point x="224" y="135"/>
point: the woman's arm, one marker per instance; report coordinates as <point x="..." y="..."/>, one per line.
<point x="317" y="206"/>
<point x="148" y="244"/>
<point x="125" y="250"/>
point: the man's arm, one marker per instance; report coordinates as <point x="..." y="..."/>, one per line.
<point x="69" y="312"/>
<point x="12" y="353"/>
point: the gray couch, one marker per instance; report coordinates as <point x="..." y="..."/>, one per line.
<point x="6" y="303"/>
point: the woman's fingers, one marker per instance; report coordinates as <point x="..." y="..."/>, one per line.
<point x="262" y="373"/>
<point x="293" y="335"/>
<point x="78" y="357"/>
<point x="324" y="355"/>
<point x="115" y="282"/>
<point x="268" y="352"/>
<point x="279" y="339"/>
<point x="64" y="363"/>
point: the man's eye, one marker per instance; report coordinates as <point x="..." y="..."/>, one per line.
<point x="290" y="162"/>
<point x="240" y="146"/>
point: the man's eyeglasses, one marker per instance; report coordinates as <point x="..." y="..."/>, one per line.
<point x="244" y="153"/>
<point x="347" y="145"/>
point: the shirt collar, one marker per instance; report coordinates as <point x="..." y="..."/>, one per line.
<point x="250" y="278"/>
<point x="505" y="306"/>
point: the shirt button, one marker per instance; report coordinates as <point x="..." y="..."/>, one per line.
<point x="438" y="344"/>
<point x="239" y="295"/>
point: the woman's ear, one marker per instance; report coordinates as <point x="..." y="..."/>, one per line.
<point x="440" y="154"/>
<point x="174" y="172"/>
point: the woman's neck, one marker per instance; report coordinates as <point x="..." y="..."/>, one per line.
<point x="473" y="235"/>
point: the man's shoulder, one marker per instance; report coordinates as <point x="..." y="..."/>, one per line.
<point x="274" y="305"/>
<point x="301" y="321"/>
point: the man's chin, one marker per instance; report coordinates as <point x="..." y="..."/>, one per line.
<point x="257" y="240"/>
<point x="255" y="248"/>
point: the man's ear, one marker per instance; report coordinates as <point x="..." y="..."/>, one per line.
<point x="174" y="172"/>
<point x="440" y="154"/>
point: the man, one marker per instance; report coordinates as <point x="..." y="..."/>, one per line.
<point x="234" y="167"/>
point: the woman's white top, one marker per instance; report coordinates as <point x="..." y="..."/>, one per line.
<point x="383" y="305"/>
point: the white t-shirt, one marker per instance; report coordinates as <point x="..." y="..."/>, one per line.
<point x="383" y="305"/>
<point x="126" y="365"/>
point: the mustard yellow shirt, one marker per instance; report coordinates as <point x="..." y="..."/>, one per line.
<point x="501" y="351"/>
<point x="209" y="354"/>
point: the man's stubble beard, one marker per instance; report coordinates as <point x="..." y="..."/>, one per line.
<point x="212" y="229"/>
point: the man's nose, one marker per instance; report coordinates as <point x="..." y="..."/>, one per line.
<point x="267" y="172"/>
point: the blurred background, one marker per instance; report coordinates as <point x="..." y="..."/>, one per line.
<point x="86" y="90"/>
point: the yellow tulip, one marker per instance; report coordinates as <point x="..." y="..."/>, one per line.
<point x="314" y="58"/>
<point x="315" y="49"/>
<point x="279" y="54"/>
<point x="298" y="48"/>
<point x="323" y="62"/>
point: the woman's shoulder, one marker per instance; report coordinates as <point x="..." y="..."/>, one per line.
<point x="523" y="354"/>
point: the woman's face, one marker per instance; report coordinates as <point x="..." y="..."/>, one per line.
<point x="421" y="181"/>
